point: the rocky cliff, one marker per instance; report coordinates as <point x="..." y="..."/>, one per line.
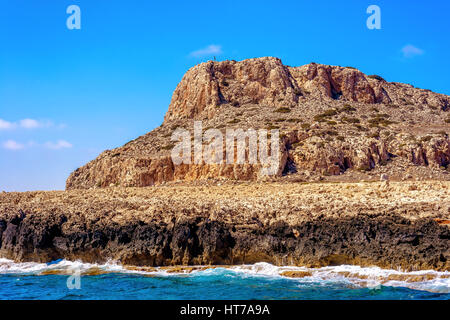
<point x="392" y="225"/>
<point x="335" y="123"/>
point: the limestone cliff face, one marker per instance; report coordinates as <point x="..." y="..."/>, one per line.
<point x="267" y="81"/>
<point x="332" y="120"/>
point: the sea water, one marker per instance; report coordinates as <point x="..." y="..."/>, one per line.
<point x="259" y="281"/>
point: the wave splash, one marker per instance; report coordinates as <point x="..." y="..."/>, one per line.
<point x="356" y="276"/>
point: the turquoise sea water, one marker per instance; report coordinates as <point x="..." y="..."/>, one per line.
<point x="259" y="281"/>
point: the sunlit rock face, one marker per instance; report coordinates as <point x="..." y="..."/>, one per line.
<point x="333" y="121"/>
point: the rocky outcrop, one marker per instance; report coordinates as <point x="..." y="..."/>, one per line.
<point x="399" y="225"/>
<point x="267" y="81"/>
<point x="331" y="119"/>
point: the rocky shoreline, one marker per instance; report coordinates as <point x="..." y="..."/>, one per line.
<point x="391" y="225"/>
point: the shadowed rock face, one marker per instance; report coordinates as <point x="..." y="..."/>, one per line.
<point x="333" y="120"/>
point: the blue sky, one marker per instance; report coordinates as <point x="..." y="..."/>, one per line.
<point x="66" y="95"/>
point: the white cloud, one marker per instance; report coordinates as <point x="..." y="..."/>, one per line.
<point x="208" y="51"/>
<point x="12" y="145"/>
<point x="60" y="144"/>
<point x="5" y="125"/>
<point x="410" y="51"/>
<point x="25" y="124"/>
<point x="30" y="124"/>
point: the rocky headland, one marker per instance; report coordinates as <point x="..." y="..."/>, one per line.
<point x="340" y="131"/>
<point x="334" y="123"/>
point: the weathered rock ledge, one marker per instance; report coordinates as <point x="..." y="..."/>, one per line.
<point x="397" y="225"/>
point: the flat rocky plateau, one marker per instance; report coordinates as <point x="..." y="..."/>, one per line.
<point x="389" y="224"/>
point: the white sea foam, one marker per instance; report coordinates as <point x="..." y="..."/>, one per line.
<point x="354" y="276"/>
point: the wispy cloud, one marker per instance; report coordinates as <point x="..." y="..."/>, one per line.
<point x="208" y="51"/>
<point x="60" y="144"/>
<point x="24" y="123"/>
<point x="29" y="124"/>
<point x="5" y="125"/>
<point x="12" y="145"/>
<point x="410" y="51"/>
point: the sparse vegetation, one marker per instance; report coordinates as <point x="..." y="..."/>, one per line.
<point x="350" y="120"/>
<point x="376" y="77"/>
<point x="305" y="126"/>
<point x="330" y="132"/>
<point x="168" y="147"/>
<point x="375" y="135"/>
<point x="360" y="127"/>
<point x="380" y="119"/>
<point x="347" y="108"/>
<point x="323" y="117"/>
<point x="283" y="110"/>
<point x="294" y="120"/>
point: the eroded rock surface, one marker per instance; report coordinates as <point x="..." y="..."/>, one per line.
<point x="396" y="225"/>
<point x="333" y="121"/>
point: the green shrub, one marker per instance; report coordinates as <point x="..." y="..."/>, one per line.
<point x="350" y="120"/>
<point x="380" y="119"/>
<point x="322" y="117"/>
<point x="347" y="108"/>
<point x="294" y="120"/>
<point x="377" y="77"/>
<point x="330" y="132"/>
<point x="168" y="147"/>
<point x="375" y="135"/>
<point x="305" y="126"/>
<point x="330" y="113"/>
<point x="283" y="110"/>
<point x="360" y="127"/>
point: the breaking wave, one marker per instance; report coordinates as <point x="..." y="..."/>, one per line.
<point x="352" y="276"/>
